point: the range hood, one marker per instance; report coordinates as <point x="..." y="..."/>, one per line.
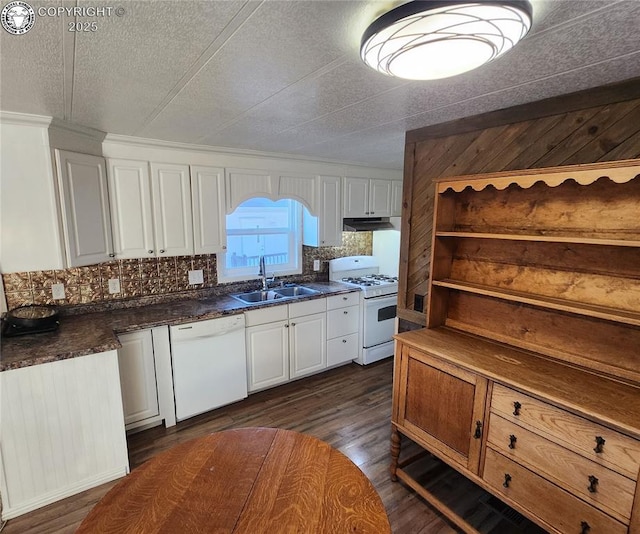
<point x="366" y="224"/>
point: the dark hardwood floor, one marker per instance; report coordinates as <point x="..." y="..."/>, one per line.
<point x="348" y="407"/>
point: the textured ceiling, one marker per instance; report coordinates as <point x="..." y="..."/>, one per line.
<point x="285" y="76"/>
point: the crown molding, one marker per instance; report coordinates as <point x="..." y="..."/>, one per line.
<point x="77" y="129"/>
<point x="143" y="142"/>
<point x="24" y="119"/>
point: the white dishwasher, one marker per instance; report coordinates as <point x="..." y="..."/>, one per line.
<point x="209" y="364"/>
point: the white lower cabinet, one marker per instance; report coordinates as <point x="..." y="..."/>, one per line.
<point x="62" y="431"/>
<point x="138" y="377"/>
<point x="285" y="342"/>
<point x="145" y="378"/>
<point x="343" y="328"/>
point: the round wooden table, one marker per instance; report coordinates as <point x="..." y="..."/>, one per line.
<point x="249" y="480"/>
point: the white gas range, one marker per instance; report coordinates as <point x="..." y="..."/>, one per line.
<point x="378" y="302"/>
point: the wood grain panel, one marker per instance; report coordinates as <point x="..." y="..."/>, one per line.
<point x="557" y="508"/>
<point x="619" y="452"/>
<point x="601" y="345"/>
<point x="450" y="424"/>
<point x="613" y="493"/>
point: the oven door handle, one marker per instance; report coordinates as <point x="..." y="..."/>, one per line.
<point x="392" y="299"/>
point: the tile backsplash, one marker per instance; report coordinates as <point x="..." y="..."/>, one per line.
<point x="151" y="277"/>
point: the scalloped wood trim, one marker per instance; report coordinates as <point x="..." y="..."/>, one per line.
<point x="619" y="172"/>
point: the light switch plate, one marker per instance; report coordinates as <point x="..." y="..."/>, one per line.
<point x="316" y="265"/>
<point x="196" y="277"/>
<point x="57" y="291"/>
<point x="114" y="285"/>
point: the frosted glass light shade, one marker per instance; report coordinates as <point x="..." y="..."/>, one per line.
<point x="429" y="40"/>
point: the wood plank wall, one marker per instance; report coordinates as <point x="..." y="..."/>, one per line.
<point x="601" y="124"/>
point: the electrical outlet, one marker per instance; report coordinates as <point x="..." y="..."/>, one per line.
<point x="316" y="265"/>
<point x="196" y="277"/>
<point x="114" y="285"/>
<point x="57" y="291"/>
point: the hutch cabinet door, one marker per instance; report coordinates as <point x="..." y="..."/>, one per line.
<point x="441" y="407"/>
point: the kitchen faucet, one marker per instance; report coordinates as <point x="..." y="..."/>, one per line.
<point x="263" y="274"/>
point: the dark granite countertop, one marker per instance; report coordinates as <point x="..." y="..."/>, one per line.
<point x="95" y="332"/>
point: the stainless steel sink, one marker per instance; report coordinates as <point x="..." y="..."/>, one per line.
<point x="253" y="297"/>
<point x="257" y="296"/>
<point x="295" y="291"/>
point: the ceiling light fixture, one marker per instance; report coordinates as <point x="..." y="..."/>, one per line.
<point x="433" y="39"/>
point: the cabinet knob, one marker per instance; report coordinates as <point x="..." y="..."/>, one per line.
<point x="516" y="408"/>
<point x="150" y="251"/>
<point x="112" y="255"/>
<point x="345" y="312"/>
<point x="512" y="441"/>
<point x="585" y="527"/>
<point x="507" y="480"/>
<point x="478" y="433"/>
<point x="344" y="298"/>
<point x="293" y="324"/>
<point x="344" y="340"/>
<point x="366" y="213"/>
<point x="373" y="213"/>
<point x="599" y="444"/>
<point x="286" y="326"/>
<point x="162" y="251"/>
<point x="593" y="484"/>
<point x="224" y="247"/>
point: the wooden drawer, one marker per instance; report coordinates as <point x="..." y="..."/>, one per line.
<point x="619" y="452"/>
<point x="545" y="500"/>
<point x="612" y="492"/>
<point x="343" y="321"/>
<point x="342" y="349"/>
<point x="343" y="300"/>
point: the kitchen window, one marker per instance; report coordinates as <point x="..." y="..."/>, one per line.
<point x="262" y="227"/>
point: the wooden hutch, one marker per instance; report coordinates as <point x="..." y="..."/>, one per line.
<point x="526" y="378"/>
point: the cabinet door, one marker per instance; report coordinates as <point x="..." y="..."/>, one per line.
<point x="396" y="198"/>
<point x="267" y="355"/>
<point x="441" y="406"/>
<point x="307" y="344"/>
<point x="380" y="198"/>
<point x="131" y="212"/>
<point x="171" y="196"/>
<point x="209" y="223"/>
<point x="84" y="202"/>
<point x="356" y="197"/>
<point x="138" y="376"/>
<point x="330" y="214"/>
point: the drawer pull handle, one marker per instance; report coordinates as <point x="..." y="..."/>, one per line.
<point x="512" y="441"/>
<point x="507" y="480"/>
<point x="585" y="527"/>
<point x="478" y="433"/>
<point x="599" y="444"/>
<point x="516" y="408"/>
<point x="593" y="483"/>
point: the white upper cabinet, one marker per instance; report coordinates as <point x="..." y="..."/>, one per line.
<point x="151" y="206"/>
<point x="325" y="230"/>
<point x="367" y="197"/>
<point x="380" y="198"/>
<point x="242" y="184"/>
<point x="84" y="202"/>
<point x="396" y="198"/>
<point x="356" y="197"/>
<point x="132" y="213"/>
<point x="171" y="196"/>
<point x="207" y="198"/>
<point x="300" y="188"/>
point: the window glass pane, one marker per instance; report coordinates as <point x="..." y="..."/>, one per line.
<point x="262" y="227"/>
